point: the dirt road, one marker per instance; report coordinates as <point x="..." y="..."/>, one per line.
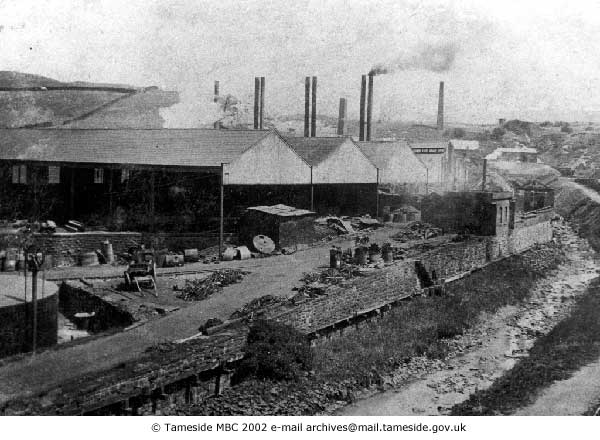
<point x="496" y="344"/>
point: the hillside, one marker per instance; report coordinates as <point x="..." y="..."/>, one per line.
<point x="32" y="100"/>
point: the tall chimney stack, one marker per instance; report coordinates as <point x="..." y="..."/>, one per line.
<point x="216" y="98"/>
<point x="313" y="118"/>
<point x="256" y="101"/>
<point x="341" y="117"/>
<point x="262" y="101"/>
<point x="361" y="122"/>
<point x="440" y="115"/>
<point x="307" y="107"/>
<point x="369" y="107"/>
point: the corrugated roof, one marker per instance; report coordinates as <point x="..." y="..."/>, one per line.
<point x="152" y="147"/>
<point x="281" y="210"/>
<point x="315" y="150"/>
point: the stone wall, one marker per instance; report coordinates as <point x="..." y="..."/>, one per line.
<point x="451" y="259"/>
<point x="74" y="298"/>
<point x="527" y="236"/>
<point x="16" y="328"/>
<point x="383" y="287"/>
<point x="64" y="248"/>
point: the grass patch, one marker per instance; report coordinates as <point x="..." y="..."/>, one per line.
<point x="573" y="343"/>
<point x="423" y="325"/>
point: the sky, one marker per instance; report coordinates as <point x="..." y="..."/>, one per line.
<point x="499" y="59"/>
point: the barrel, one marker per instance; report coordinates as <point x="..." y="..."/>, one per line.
<point x="10" y="260"/>
<point x="243" y="253"/>
<point x="360" y="255"/>
<point x="335" y="258"/>
<point x="88" y="259"/>
<point x="107" y="251"/>
<point x="387" y="252"/>
<point x="229" y="254"/>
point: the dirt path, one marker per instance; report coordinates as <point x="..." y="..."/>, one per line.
<point x="268" y="276"/>
<point x="496" y="343"/>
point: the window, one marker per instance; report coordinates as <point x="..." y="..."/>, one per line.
<point x="53" y="174"/>
<point x="124" y="175"/>
<point x="500" y="214"/>
<point x="98" y="175"/>
<point x="19" y="174"/>
<point x="506" y="214"/>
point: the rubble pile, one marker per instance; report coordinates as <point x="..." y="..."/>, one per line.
<point x="316" y="283"/>
<point x="417" y="231"/>
<point x="197" y="290"/>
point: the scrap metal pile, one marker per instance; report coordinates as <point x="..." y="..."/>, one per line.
<point x="197" y="290"/>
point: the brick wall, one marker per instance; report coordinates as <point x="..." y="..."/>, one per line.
<point x="16" y="328"/>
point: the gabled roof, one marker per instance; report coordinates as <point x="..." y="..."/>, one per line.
<point x="315" y="150"/>
<point x="380" y="153"/>
<point x="206" y="148"/>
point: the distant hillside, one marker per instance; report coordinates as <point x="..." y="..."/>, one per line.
<point x="28" y="100"/>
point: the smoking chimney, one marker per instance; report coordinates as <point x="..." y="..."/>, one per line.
<point x="440" y="116"/>
<point x="313" y="119"/>
<point x="361" y="122"/>
<point x="307" y="107"/>
<point x="256" y="101"/>
<point x="341" y="117"/>
<point x="262" y="101"/>
<point x="369" y="107"/>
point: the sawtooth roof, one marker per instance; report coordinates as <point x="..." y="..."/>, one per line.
<point x="206" y="148"/>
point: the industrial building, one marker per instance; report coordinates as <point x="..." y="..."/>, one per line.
<point x="399" y="168"/>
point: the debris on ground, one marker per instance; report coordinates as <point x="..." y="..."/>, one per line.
<point x="256" y="305"/>
<point x="212" y="322"/>
<point x="417" y="230"/>
<point x="197" y="290"/>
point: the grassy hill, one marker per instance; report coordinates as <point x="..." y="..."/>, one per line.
<point x="33" y="100"/>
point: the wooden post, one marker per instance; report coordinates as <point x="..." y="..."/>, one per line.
<point x="312" y="191"/>
<point x="222" y="196"/>
<point x="377" y="196"/>
<point x="34" y="304"/>
<point x="72" y="194"/>
<point x="152" y="207"/>
<point x="110" y="192"/>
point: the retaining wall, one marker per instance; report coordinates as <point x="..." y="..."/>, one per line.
<point x="16" y="326"/>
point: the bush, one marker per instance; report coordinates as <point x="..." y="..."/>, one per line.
<point x="566" y="129"/>
<point x="497" y="133"/>
<point x="274" y="351"/>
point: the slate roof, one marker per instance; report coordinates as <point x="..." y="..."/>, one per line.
<point x="380" y="153"/>
<point x="206" y="148"/>
<point x="315" y="150"/>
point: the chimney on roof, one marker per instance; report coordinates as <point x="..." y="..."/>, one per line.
<point x="262" y="101"/>
<point x="369" y="107"/>
<point x="361" y="122"/>
<point x="440" y="114"/>
<point x="307" y="106"/>
<point x="341" y="117"/>
<point x="313" y="118"/>
<point x="256" y="100"/>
